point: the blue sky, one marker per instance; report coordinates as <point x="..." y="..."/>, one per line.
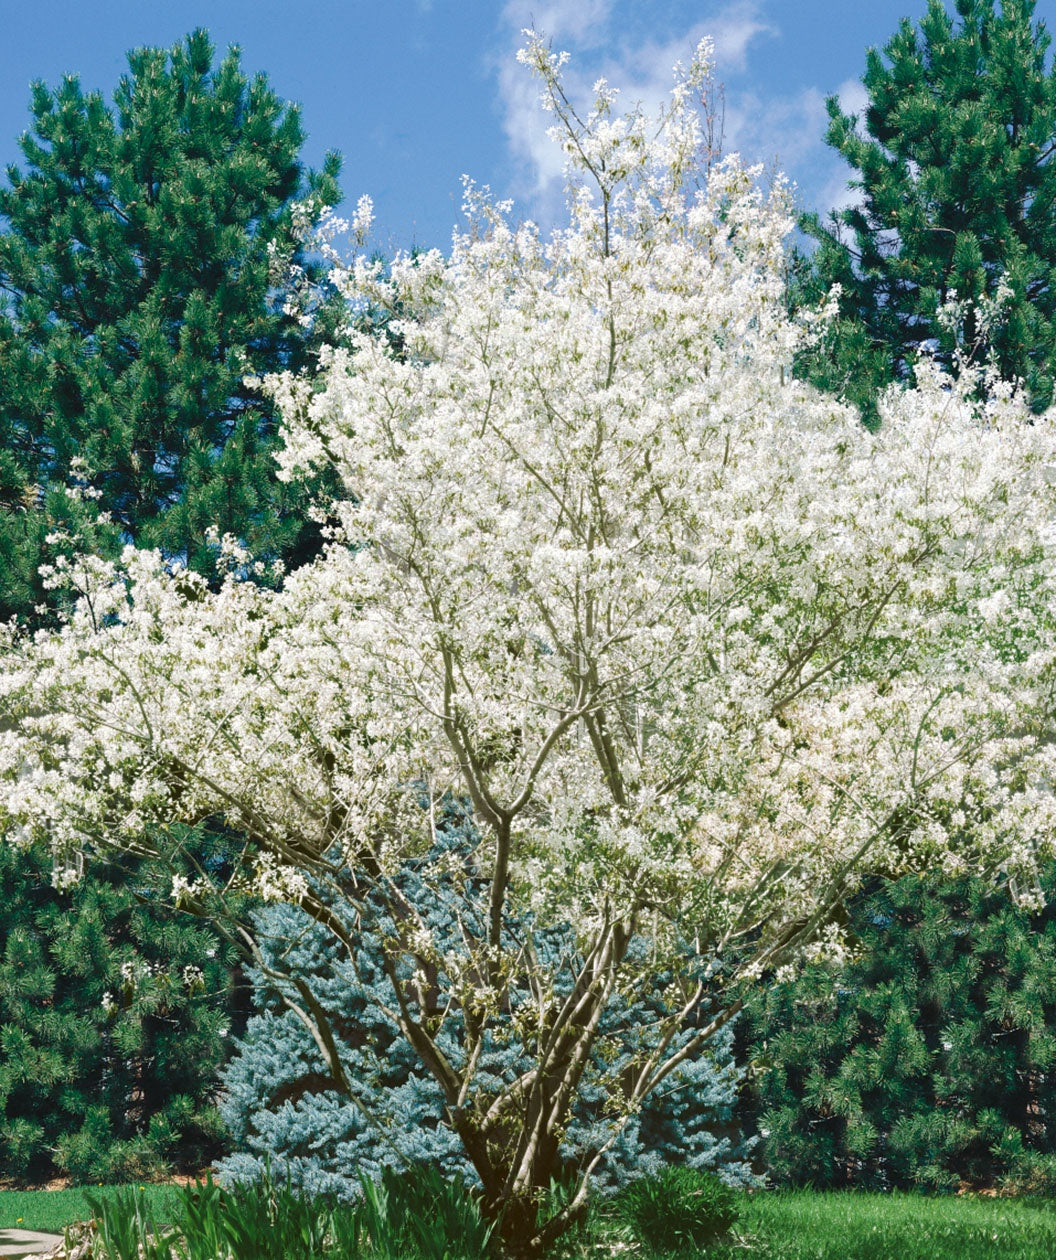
<point x="414" y="93"/>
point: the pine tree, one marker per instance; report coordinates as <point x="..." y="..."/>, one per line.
<point x="144" y="268"/>
<point x="928" y="1060"/>
<point x="957" y="186"/>
<point x="114" y="1022"/>
<point x="144" y="273"/>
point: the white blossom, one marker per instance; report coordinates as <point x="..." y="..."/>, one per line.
<point x="699" y="648"/>
<point x="193" y="978"/>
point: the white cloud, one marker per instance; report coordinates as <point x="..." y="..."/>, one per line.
<point x="781" y="133"/>
<point x="641" y="68"/>
<point x="538" y="159"/>
<point x="778" y="131"/>
<point x="583" y="22"/>
<point x="836" y="193"/>
<point x="853" y="96"/>
<point x="733" y="30"/>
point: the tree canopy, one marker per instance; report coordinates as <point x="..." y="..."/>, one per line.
<point x="955" y="185"/>
<point x="144" y="274"/>
<point x="696" y="648"/>
<point x="114" y="1018"/>
<point x="926" y="1059"/>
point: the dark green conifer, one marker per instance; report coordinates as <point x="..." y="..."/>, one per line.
<point x="928" y="1060"/>
<point x="114" y="1021"/>
<point x="955" y="175"/>
<point x="144" y="255"/>
<point x="143" y="277"/>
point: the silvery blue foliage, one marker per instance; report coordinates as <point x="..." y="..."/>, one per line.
<point x="282" y="1109"/>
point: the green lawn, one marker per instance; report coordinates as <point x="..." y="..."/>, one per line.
<point x="773" y="1226"/>
<point x="49" y="1210"/>
<point x="808" y="1226"/>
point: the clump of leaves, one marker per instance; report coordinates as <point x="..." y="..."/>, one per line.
<point x="418" y="1212"/>
<point x="676" y="1208"/>
<point x="126" y="1229"/>
<point x="412" y="1214"/>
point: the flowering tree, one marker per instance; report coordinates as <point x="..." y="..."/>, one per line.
<point x="696" y="647"/>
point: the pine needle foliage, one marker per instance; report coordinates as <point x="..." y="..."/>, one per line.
<point x="146" y="250"/>
<point x="286" y="1114"/>
<point x="954" y="185"/>
<point x="929" y="1060"/>
<point x="113" y="1026"/>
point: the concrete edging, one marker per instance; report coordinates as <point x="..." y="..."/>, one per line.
<point x="17" y="1243"/>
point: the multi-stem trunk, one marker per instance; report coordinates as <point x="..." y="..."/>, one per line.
<point x="515" y="1143"/>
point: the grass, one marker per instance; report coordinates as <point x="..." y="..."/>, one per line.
<point x="803" y="1225"/>
<point x="50" y="1210"/>
<point x="800" y="1225"/>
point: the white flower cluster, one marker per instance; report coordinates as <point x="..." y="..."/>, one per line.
<point x="275" y="881"/>
<point x="67" y="868"/>
<point x="193" y="978"/>
<point x="184" y="890"/>
<point x="695" y="643"/>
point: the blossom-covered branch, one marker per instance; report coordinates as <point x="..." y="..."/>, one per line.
<point x="699" y="648"/>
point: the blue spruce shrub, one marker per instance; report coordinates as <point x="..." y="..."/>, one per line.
<point x="283" y="1110"/>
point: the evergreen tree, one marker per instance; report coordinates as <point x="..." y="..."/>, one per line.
<point x="144" y="273"/>
<point x="928" y="1060"/>
<point x="114" y="1021"/>
<point x="284" y="1111"/>
<point x="957" y="185"/>
<point x="145" y="267"/>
